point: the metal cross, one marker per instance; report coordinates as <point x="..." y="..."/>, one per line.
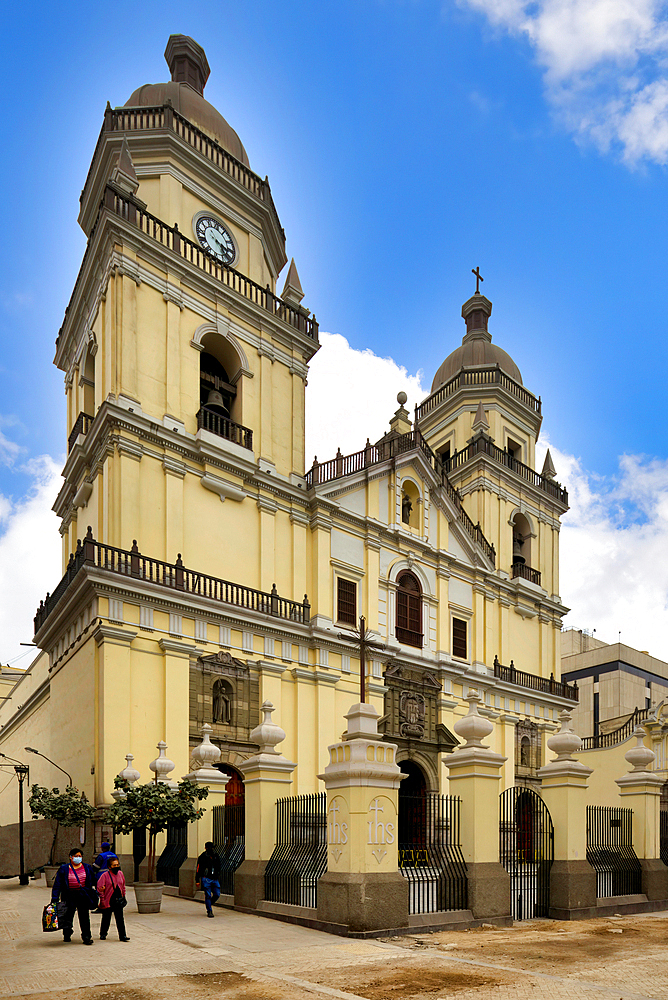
<point x="360" y="637"/>
<point x="478" y="279"/>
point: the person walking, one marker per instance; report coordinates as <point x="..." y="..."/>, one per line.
<point x="74" y="886"/>
<point x="111" y="887"/>
<point x="102" y="860"/>
<point x="208" y="874"/>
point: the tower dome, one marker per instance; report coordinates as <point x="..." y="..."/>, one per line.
<point x="477" y="349"/>
<point x="190" y="71"/>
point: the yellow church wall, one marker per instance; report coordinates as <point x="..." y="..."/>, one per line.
<point x="33" y="731"/>
<point x="73" y="694"/>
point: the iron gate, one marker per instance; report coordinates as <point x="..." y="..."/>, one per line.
<point x="664" y="833"/>
<point x="430" y="853"/>
<point x="610" y="851"/>
<point x="229" y="840"/>
<point x="526" y="851"/>
<point x="300" y="855"/>
<point x="174" y="854"/>
<point x="138" y="848"/>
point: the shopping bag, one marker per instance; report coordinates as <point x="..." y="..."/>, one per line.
<point x="50" y="917"/>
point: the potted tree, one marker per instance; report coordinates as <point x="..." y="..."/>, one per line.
<point x="153" y="806"/>
<point x="69" y="808"/>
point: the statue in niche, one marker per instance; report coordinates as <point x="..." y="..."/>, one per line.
<point x="222" y="703"/>
<point x="406" y="509"/>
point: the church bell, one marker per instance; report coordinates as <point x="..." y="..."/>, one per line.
<point x="215" y="399"/>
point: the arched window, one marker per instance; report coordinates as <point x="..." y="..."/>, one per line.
<point x="220" y="399"/>
<point x="409" y="610"/>
<point x="521" y="541"/>
<point x="216" y="391"/>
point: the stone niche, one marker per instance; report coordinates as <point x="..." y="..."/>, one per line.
<point x="226" y="694"/>
<point x="410" y="718"/>
<point x="528" y="754"/>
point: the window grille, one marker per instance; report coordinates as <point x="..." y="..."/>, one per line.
<point x="459" y="638"/>
<point x="346" y="609"/>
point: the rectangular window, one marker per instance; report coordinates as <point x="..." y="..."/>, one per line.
<point x="459" y="634"/>
<point x="346" y="601"/>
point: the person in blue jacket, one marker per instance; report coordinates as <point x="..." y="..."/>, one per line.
<point x="102" y="860"/>
<point x="75" y="887"/>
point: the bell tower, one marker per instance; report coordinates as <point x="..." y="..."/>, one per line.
<point x="484" y="423"/>
<point x="184" y="370"/>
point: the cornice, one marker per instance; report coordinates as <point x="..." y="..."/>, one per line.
<point x="516" y="487"/>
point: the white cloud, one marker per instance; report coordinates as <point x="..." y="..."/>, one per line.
<point x="605" y="67"/>
<point x="30" y="557"/>
<point x="614" y="551"/>
<point x="352" y="394"/>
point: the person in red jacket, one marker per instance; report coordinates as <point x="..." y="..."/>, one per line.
<point x="111" y="887"/>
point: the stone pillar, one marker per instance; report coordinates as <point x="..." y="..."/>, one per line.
<point x="640" y="790"/>
<point x="475" y="775"/>
<point x="564" y="791"/>
<point x="202" y="772"/>
<point x="363" y="888"/>
<point x="267" y="777"/>
<point x="124" y="840"/>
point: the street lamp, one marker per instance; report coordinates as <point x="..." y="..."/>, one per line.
<point x="22" y="772"/>
<point x="32" y="750"/>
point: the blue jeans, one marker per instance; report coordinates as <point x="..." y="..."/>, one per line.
<point x="211" y="888"/>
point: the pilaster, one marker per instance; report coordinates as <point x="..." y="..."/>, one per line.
<point x="267" y="777"/>
<point x="564" y="791"/>
<point x="363" y="888"/>
<point x="475" y="776"/>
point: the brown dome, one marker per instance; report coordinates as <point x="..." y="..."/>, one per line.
<point x="195" y="108"/>
<point x="477" y="349"/>
<point x="475" y="354"/>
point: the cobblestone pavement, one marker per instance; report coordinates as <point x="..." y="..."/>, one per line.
<point x="180" y="955"/>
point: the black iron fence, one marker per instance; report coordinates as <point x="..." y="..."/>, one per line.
<point x="174" y="854"/>
<point x="229" y="841"/>
<point x="526" y="851"/>
<point x="663" y="819"/>
<point x="610" y="851"/>
<point x="138" y="848"/>
<point x="430" y="853"/>
<point x="300" y="855"/>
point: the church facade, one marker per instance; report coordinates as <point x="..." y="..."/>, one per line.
<point x="206" y="569"/>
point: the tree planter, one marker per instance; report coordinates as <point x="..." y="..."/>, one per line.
<point x="51" y="871"/>
<point x="148" y="896"/>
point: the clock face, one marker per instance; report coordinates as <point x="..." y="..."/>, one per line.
<point x="214" y="237"/>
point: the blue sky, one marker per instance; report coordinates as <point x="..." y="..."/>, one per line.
<point x="406" y="141"/>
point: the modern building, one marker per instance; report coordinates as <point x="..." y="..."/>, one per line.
<point x="206" y="569"/>
<point x="614" y="682"/>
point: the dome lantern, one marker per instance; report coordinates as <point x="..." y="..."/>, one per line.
<point x="187" y="62"/>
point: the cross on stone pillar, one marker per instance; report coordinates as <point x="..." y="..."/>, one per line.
<point x="360" y="637"/>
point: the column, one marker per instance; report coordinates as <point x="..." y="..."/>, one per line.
<point x="203" y="772"/>
<point x="640" y="790"/>
<point x="475" y="775"/>
<point x="267" y="777"/>
<point x="564" y="791"/>
<point x="363" y="888"/>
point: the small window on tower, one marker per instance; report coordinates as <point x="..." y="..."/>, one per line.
<point x="459" y="637"/>
<point x="514" y="450"/>
<point x="346" y="601"/>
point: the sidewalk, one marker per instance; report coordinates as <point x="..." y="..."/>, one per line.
<point x="179" y="954"/>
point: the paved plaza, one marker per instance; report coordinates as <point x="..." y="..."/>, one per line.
<point x="180" y="955"/>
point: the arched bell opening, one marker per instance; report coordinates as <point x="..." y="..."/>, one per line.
<point x="521" y="541"/>
<point x="87" y="383"/>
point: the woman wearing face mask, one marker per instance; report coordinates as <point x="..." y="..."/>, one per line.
<point x="111" y="887"/>
<point x="75" y="887"/>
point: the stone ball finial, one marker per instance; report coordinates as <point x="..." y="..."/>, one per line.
<point x="566" y="742"/>
<point x="640" y="756"/>
<point x="267" y="734"/>
<point x="207" y="754"/>
<point x="162" y="766"/>
<point x="401" y="398"/>
<point x="473" y="728"/>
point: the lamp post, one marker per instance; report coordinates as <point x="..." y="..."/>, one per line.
<point x="39" y="754"/>
<point x="22" y="771"/>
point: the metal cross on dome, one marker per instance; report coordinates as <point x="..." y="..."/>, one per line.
<point x="360" y="637"/>
<point x="478" y="279"/>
